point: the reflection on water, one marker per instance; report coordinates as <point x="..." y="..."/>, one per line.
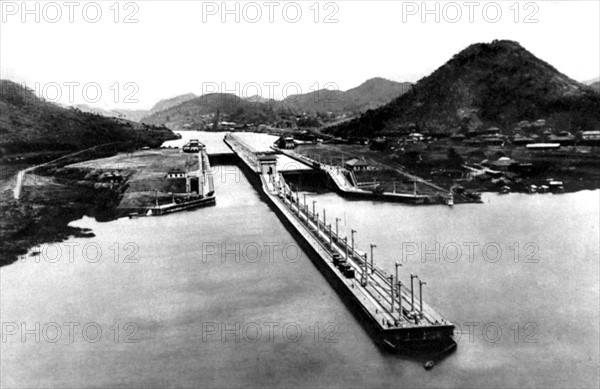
<point x="200" y="273"/>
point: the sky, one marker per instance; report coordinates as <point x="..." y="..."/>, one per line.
<point x="130" y="54"/>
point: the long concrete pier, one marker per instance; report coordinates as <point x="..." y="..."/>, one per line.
<point x="392" y="311"/>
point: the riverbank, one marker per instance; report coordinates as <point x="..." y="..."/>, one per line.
<point x="104" y="188"/>
<point x="436" y="167"/>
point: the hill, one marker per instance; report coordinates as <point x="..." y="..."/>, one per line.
<point x="135" y="115"/>
<point x="30" y="124"/>
<point x="199" y="112"/>
<point x="371" y="94"/>
<point x="172" y="102"/>
<point x="499" y="84"/>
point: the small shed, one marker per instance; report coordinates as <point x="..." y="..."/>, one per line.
<point x="176" y="173"/>
<point x="356" y="164"/>
<point x="268" y="164"/>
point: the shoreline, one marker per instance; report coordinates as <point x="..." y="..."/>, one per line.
<point x="67" y="194"/>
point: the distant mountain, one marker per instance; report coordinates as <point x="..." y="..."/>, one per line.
<point x="371" y="94"/>
<point x="499" y="83"/>
<point x="30" y="124"/>
<point x="592" y="81"/>
<point x="595" y="86"/>
<point x="137" y="115"/>
<point x="258" y="99"/>
<point x="172" y="102"/>
<point x="199" y="112"/>
<point x="134" y="115"/>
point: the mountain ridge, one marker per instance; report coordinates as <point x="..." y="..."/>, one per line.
<point x="497" y="83"/>
<point x="31" y="124"/>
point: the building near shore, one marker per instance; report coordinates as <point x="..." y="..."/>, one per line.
<point x="176" y="173"/>
<point x="286" y="142"/>
<point x="543" y="146"/>
<point x="501" y="164"/>
<point x="356" y="164"/>
<point x="590" y="135"/>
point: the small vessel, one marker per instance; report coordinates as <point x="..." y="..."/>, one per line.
<point x="193" y="146"/>
<point x="428" y="365"/>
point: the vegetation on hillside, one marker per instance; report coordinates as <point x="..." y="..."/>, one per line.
<point x="30" y="124"/>
<point x="496" y="84"/>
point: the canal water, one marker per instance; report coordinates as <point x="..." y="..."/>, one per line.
<point x="223" y="297"/>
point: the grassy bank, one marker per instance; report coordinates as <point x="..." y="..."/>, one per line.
<point x="66" y="190"/>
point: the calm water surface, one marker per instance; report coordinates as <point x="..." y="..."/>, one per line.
<point x="201" y="273"/>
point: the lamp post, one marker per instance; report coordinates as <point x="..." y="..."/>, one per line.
<point x="306" y="213"/>
<point x="372" y="266"/>
<point x="337" y="231"/>
<point x="324" y="217"/>
<point x="352" y="232"/>
<point x="330" y="238"/>
<point x="421" y="283"/>
<point x="397" y="266"/>
<point x="392" y="291"/>
<point x="365" y="271"/>
<point x="346" y="245"/>
<point x="314" y="202"/>
<point x="400" y="298"/>
<point x="412" y="292"/>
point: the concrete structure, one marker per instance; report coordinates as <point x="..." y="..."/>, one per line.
<point x="268" y="164"/>
<point x="420" y="330"/>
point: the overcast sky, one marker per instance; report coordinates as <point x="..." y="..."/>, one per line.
<point x="172" y="48"/>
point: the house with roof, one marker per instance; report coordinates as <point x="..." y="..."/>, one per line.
<point x="176" y="173"/>
<point x="501" y="164"/>
<point x="356" y="164"/>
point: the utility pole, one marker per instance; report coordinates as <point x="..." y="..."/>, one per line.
<point x="346" y="245"/>
<point x="412" y="292"/>
<point x="365" y="271"/>
<point x="313" y="212"/>
<point x="397" y="266"/>
<point x="306" y="213"/>
<point x="372" y="264"/>
<point x="352" y="232"/>
<point x="400" y="299"/>
<point x="392" y="291"/>
<point x="421" y="283"/>
<point x="337" y="232"/>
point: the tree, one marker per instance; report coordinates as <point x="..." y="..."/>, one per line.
<point x="454" y="158"/>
